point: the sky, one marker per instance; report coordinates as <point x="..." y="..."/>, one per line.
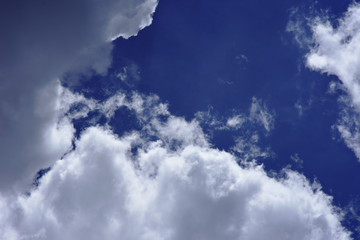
<point x="150" y="120"/>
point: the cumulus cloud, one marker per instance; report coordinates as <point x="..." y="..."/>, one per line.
<point x="99" y="191"/>
<point x="40" y="42"/>
<point x="138" y="186"/>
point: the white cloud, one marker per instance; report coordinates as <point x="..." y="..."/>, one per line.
<point x="235" y="121"/>
<point x="99" y="192"/>
<point x="104" y="189"/>
<point x="174" y="131"/>
<point x="40" y="42"/>
<point x="336" y="51"/>
<point x="247" y="148"/>
<point x="181" y="131"/>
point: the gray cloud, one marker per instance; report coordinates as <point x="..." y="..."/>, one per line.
<point x="40" y="41"/>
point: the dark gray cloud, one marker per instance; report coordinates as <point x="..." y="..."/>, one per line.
<point x="40" y="41"/>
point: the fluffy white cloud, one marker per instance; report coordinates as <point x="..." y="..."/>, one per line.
<point x="336" y="51"/>
<point x="39" y="42"/>
<point x="138" y="187"/>
<point x="102" y="191"/>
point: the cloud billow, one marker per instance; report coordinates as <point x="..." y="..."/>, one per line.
<point x="105" y="189"/>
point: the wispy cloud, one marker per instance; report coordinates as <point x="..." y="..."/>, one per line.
<point x="246" y="128"/>
<point x="260" y="113"/>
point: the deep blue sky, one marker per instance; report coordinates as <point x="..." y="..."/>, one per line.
<point x="191" y="57"/>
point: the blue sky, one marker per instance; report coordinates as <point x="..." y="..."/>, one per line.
<point x="180" y="120"/>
